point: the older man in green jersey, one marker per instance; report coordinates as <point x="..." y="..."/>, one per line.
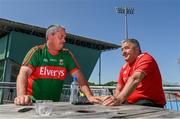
<point x="44" y="70"/>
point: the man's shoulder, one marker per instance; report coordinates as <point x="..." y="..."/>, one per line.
<point x="145" y="55"/>
<point x="66" y="51"/>
<point x="38" y="47"/>
<point x="145" y="58"/>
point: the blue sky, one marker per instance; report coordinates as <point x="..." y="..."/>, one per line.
<point x="156" y="24"/>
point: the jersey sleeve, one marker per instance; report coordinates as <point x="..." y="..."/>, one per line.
<point x="31" y="58"/>
<point x="145" y="64"/>
<point x="72" y="63"/>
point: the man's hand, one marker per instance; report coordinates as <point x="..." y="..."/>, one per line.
<point x="23" y="100"/>
<point x="95" y="99"/>
<point x="110" y="101"/>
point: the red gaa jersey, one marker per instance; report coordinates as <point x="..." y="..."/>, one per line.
<point x="151" y="86"/>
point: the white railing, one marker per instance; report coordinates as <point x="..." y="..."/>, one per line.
<point x="172" y="93"/>
<point x="7" y="85"/>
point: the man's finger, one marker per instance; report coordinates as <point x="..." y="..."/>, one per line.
<point x="26" y="100"/>
<point x="17" y="101"/>
<point x="22" y="100"/>
<point x="107" y="102"/>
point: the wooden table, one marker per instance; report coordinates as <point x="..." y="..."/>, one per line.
<point x="66" y="110"/>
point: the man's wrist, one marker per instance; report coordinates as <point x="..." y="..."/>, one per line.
<point x="118" y="100"/>
<point x="89" y="96"/>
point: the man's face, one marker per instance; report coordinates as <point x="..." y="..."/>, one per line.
<point x="58" y="39"/>
<point x="129" y="51"/>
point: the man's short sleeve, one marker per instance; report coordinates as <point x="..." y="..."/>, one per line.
<point x="31" y="58"/>
<point x="144" y="64"/>
<point x="72" y="63"/>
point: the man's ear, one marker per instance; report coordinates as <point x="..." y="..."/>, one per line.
<point x="49" y="36"/>
<point x="137" y="50"/>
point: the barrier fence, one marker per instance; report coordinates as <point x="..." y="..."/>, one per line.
<point x="172" y="93"/>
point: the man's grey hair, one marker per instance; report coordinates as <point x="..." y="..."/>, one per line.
<point x="52" y="29"/>
<point x="134" y="41"/>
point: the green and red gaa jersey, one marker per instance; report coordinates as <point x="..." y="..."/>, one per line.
<point x="49" y="72"/>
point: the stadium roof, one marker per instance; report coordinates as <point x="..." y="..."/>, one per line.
<point x="7" y="26"/>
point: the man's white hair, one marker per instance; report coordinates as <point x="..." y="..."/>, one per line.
<point x="52" y="29"/>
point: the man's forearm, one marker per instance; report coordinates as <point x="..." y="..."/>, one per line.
<point x="86" y="90"/>
<point x="22" y="80"/>
<point x="127" y="90"/>
<point x="131" y="85"/>
<point x="83" y="84"/>
<point x="21" y="87"/>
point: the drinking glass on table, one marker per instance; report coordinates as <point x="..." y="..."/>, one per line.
<point x="44" y="107"/>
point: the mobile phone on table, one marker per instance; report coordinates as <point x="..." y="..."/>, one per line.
<point x="82" y="103"/>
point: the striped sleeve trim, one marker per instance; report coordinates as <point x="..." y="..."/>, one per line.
<point x="30" y="54"/>
<point x="73" y="70"/>
<point x="73" y="58"/>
